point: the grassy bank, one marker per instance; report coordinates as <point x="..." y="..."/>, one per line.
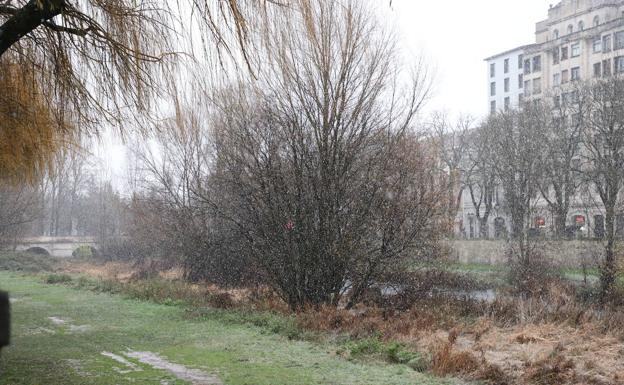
<point x="60" y="334"/>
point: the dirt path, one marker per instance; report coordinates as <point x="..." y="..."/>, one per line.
<point x="194" y="376"/>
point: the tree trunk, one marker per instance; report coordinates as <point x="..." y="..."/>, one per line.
<point x="483" y="228"/>
<point x="560" y="223"/>
<point x="27" y="19"/>
<point x="608" y="273"/>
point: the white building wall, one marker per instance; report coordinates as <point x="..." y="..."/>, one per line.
<point x="514" y="91"/>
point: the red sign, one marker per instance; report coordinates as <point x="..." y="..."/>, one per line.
<point x="579" y="220"/>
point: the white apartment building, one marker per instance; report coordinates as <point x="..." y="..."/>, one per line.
<point x="505" y="73"/>
<point x="580" y="40"/>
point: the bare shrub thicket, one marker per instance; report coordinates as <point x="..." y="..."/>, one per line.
<point x="312" y="178"/>
<point x="328" y="185"/>
<point x="175" y="216"/>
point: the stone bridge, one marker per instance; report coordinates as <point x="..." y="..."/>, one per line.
<point x="56" y="246"/>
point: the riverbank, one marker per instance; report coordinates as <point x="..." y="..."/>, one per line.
<point x="64" y="335"/>
<point x="500" y="340"/>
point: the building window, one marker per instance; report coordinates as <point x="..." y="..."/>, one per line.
<point x="506" y="65"/>
<point x="575" y="74"/>
<point x="506" y="84"/>
<point x="619" y="40"/>
<point x="537" y="86"/>
<point x="596" y="21"/>
<point x="597" y="45"/>
<point x="618" y="65"/>
<point x="492" y="70"/>
<point x="564" y="53"/>
<point x="557" y="101"/>
<point x="576" y="49"/>
<point x="599" y="226"/>
<point x="527" y="66"/>
<point x="557" y="79"/>
<point x="555" y="54"/>
<point x="520" y="81"/>
<point x="581" y="25"/>
<point x="493" y="106"/>
<point x="597" y="70"/>
<point x="570" y="29"/>
<point x="556" y="34"/>
<point x="540" y="222"/>
<point x="537" y="63"/>
<point x="493" y="89"/>
<point x="527" y="87"/>
<point x="579" y="220"/>
<point x="606" y="67"/>
<point x="520" y="61"/>
<point x="606" y="43"/>
<point x="619" y="225"/>
<point x="565" y="76"/>
<point x="507" y="101"/>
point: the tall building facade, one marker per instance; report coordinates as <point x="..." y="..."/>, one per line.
<point x="580" y="40"/>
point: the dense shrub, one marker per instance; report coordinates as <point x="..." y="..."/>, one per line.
<point x="58" y="278"/>
<point x="27" y="262"/>
<point x="530" y="272"/>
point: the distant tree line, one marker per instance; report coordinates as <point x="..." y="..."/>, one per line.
<point x="69" y="200"/>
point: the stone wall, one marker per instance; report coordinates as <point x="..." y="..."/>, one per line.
<point x="566" y="253"/>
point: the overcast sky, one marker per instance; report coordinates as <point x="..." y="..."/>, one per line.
<point x="455" y="36"/>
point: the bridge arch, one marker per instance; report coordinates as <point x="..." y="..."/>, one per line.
<point x="38" y="250"/>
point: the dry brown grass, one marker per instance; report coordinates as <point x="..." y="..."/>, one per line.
<point x="447" y="361"/>
<point x="555" y="369"/>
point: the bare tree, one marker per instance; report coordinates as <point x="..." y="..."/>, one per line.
<point x="480" y="177"/>
<point x="453" y="142"/>
<point x="603" y="137"/>
<point x="326" y="186"/>
<point x="561" y="136"/>
<point x="18" y="209"/>
<point x="514" y="138"/>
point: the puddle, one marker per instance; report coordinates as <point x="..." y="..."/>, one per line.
<point x="194" y="376"/>
<point x="131" y="366"/>
<point x="487" y="295"/>
<point x="79" y="328"/>
<point x="40" y="330"/>
<point x="57" y="321"/>
<point x="72" y="328"/>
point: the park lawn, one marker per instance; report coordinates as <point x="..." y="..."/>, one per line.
<point x="45" y="352"/>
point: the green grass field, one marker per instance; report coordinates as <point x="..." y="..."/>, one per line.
<point x="60" y="333"/>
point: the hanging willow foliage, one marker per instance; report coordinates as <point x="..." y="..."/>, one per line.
<point x="100" y="63"/>
<point x="30" y="134"/>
